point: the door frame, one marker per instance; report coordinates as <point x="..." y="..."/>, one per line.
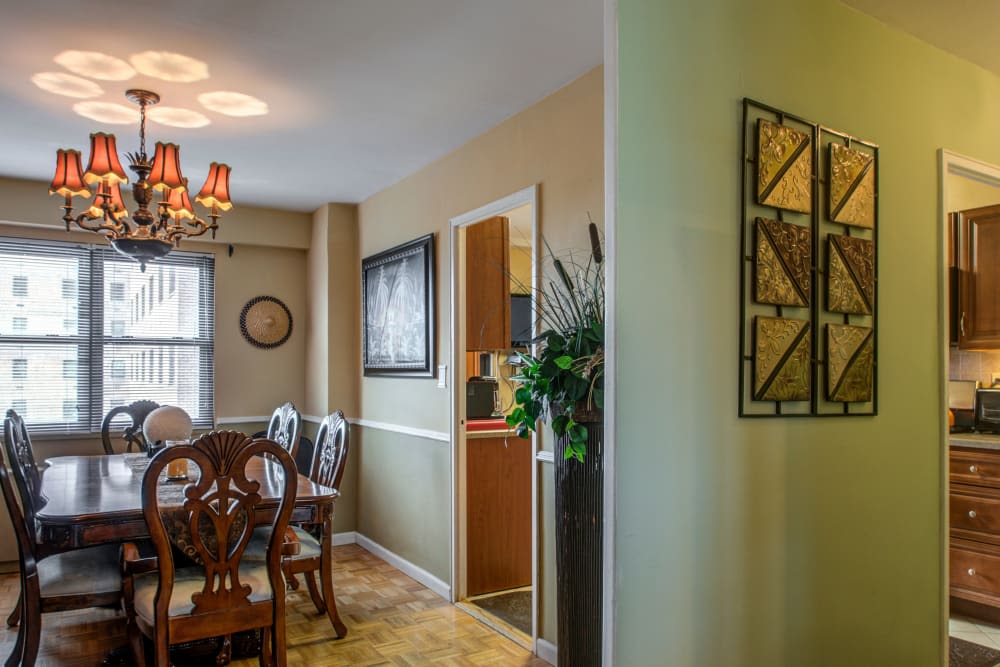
<point x="526" y="196"/>
<point x="950" y="162"/>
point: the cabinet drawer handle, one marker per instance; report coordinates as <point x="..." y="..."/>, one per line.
<point x="973" y="469"/>
<point x="972" y="514"/>
<point x="961" y="326"/>
<point x="972" y="572"/>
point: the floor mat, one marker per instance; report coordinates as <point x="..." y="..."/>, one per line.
<point x="966" y="654"/>
<point x="513" y="608"/>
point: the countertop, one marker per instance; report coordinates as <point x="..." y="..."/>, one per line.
<point x="977" y="440"/>
<point x="488" y="428"/>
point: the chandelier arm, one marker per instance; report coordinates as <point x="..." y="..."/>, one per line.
<point x="190" y="228"/>
<point x="113" y="230"/>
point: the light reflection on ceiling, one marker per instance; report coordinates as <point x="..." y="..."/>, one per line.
<point x="107" y="112"/>
<point x="61" y="83"/>
<point x="177" y="117"/>
<point x="232" y="103"/>
<point x="96" y="65"/>
<point x="170" y="66"/>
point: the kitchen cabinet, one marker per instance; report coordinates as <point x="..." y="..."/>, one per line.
<point x="487" y="285"/>
<point x="975" y="247"/>
<point x="974" y="544"/>
<point x="498" y="504"/>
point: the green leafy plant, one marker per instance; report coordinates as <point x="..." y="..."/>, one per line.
<point x="566" y="375"/>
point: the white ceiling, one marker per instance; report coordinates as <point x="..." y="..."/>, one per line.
<point x="965" y="28"/>
<point x="361" y="92"/>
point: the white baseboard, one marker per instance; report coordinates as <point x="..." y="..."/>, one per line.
<point x="349" y="537"/>
<point x="406" y="567"/>
<point x="547" y="651"/>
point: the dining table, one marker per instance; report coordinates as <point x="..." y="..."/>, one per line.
<point x="90" y="500"/>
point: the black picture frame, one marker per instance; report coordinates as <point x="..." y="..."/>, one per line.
<point x="397" y="310"/>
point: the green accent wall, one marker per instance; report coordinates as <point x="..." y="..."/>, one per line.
<point x="776" y="542"/>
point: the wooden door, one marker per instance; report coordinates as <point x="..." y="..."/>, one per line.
<point x="498" y="483"/>
<point x="487" y="285"/>
<point x="979" y="278"/>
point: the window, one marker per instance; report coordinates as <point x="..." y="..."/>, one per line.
<point x="19" y="285"/>
<point x="20" y="323"/>
<point x="20" y="406"/>
<point x="72" y="371"/>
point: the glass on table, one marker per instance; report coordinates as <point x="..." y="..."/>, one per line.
<point x="178" y="468"/>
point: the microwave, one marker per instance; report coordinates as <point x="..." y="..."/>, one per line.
<point x="988" y="410"/>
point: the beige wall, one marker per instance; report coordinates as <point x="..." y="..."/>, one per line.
<point x="404" y="482"/>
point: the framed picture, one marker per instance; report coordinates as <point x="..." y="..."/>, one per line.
<point x="397" y="294"/>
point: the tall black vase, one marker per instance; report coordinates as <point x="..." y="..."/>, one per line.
<point x="579" y="547"/>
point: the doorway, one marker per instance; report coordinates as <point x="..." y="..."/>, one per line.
<point x="494" y="473"/>
<point x="971" y="360"/>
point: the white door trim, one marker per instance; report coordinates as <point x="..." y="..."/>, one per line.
<point x="949" y="162"/>
<point x="610" y="323"/>
<point x="528" y="195"/>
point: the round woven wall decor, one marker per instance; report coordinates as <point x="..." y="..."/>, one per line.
<point x="265" y="322"/>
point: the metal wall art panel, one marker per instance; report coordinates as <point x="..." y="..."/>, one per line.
<point x="782" y="361"/>
<point x="784" y="167"/>
<point x="852" y="186"/>
<point x="809" y="268"/>
<point x="850" y="362"/>
<point x="782" y="263"/>
<point x="850" y="275"/>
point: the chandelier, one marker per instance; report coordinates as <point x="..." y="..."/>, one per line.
<point x="149" y="234"/>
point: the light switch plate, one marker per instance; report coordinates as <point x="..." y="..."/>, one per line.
<point x="442" y="376"/>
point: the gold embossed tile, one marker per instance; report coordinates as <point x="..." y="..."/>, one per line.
<point x="852" y="186"/>
<point x="850" y="275"/>
<point x="781" y="359"/>
<point x="782" y="263"/>
<point x="850" y="359"/>
<point x="784" y="167"/>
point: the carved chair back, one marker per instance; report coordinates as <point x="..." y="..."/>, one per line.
<point x="218" y="507"/>
<point x="137" y="411"/>
<point x="23" y="532"/>
<point x="330" y="453"/>
<point x="285" y="428"/>
<point x="21" y="456"/>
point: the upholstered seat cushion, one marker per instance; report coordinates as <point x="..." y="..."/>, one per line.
<point x="81" y="572"/>
<point x="257" y="547"/>
<point x="191" y="580"/>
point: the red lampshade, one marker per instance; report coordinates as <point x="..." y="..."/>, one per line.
<point x="104" y="164"/>
<point x="166" y="173"/>
<point x="113" y="194"/>
<point x="215" y="192"/>
<point x="179" y="204"/>
<point x="68" y="180"/>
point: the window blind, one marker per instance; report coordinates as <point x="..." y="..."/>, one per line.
<point x="83" y="329"/>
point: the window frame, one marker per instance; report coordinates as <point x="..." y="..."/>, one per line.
<point x="90" y="338"/>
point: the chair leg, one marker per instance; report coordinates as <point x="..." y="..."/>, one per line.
<point x="266" y="658"/>
<point x="30" y="630"/>
<point x="14" y="660"/>
<point x="314" y="591"/>
<point x="326" y="579"/>
<point x="15" y="614"/>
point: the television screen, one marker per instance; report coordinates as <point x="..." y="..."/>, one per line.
<point x="520" y="320"/>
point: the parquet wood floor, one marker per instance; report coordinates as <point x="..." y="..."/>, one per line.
<point x="392" y="621"/>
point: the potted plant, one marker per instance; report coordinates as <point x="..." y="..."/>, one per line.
<point x="562" y="384"/>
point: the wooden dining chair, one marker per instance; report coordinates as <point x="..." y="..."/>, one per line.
<point x="137" y="411"/>
<point x="285" y="427"/>
<point x="50" y="582"/>
<point x="314" y="552"/>
<point x="173" y="603"/>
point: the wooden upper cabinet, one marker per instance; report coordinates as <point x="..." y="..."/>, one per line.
<point x="487" y="285"/>
<point x="978" y="311"/>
